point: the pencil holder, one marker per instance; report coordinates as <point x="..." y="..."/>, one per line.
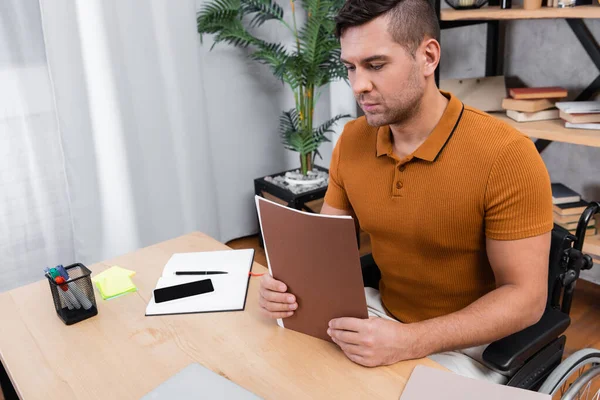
<point x="74" y="298"/>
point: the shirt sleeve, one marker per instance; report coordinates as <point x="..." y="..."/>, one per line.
<point x="336" y="195"/>
<point x="518" y="199"/>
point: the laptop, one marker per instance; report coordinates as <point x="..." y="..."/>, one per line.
<point x="429" y="383"/>
<point x="198" y="382"/>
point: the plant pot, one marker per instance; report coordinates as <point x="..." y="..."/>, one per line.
<point x="311" y="179"/>
<point x="294" y="182"/>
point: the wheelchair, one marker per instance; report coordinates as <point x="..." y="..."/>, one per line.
<point x="533" y="356"/>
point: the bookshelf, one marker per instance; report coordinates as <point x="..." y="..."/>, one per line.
<point x="554" y="130"/>
<point x="498" y="14"/>
<point x="495" y="19"/>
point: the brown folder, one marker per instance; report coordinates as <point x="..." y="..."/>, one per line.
<point x="317" y="257"/>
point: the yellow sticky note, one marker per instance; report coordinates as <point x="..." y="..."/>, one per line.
<point x="113" y="272"/>
<point x="115" y="281"/>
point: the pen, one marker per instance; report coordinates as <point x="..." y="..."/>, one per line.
<point x="200" y="272"/>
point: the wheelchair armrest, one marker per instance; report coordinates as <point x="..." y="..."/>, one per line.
<point x="370" y="271"/>
<point x="513" y="351"/>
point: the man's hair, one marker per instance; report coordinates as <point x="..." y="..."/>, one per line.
<point x="410" y="21"/>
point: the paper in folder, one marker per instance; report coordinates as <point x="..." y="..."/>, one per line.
<point x="317" y="257"/>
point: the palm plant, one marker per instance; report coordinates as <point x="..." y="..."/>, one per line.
<point x="313" y="63"/>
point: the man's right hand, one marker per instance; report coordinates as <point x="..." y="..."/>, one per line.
<point x="273" y="299"/>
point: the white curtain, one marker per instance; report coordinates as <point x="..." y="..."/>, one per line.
<point x="127" y="83"/>
<point x="35" y="219"/>
<point x="120" y="130"/>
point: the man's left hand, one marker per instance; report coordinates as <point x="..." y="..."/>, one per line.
<point x="375" y="341"/>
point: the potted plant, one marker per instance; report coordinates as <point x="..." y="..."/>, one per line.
<point x="313" y="62"/>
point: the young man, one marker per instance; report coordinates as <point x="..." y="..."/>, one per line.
<point x="458" y="204"/>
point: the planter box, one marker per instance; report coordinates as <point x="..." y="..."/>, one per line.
<point x="309" y="200"/>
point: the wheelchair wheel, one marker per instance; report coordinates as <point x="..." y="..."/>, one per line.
<point x="577" y="377"/>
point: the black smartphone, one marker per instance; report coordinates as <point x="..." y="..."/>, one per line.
<point x="184" y="290"/>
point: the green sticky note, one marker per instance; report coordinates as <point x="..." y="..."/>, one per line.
<point x="114" y="282"/>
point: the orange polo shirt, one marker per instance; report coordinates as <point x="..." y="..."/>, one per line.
<point x="428" y="215"/>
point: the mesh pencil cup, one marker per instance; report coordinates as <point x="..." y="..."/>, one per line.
<point x="74" y="298"/>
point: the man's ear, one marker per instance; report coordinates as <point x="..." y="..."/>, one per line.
<point x="431" y="52"/>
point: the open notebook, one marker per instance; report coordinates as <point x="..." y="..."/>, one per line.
<point x="229" y="289"/>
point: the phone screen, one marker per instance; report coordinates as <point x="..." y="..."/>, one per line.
<point x="184" y="290"/>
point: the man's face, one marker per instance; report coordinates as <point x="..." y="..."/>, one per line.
<point x="386" y="79"/>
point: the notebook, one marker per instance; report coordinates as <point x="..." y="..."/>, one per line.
<point x="570" y="208"/>
<point x="197" y="382"/>
<point x="317" y="257"/>
<point x="431" y="383"/>
<point x="593" y="127"/>
<point x="538" y="93"/>
<point x="230" y="289"/>
<point x="562" y="194"/>
<point x="531" y="117"/>
<point x="579" y="107"/>
<point x="527" y="105"/>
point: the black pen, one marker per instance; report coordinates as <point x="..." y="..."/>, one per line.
<point x="200" y="272"/>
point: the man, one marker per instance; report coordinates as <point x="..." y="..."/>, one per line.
<point x="458" y="205"/>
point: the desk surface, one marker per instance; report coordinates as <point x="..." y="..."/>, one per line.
<point x="122" y="354"/>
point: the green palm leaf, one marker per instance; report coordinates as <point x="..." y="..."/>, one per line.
<point x="288" y="122"/>
<point x="276" y="56"/>
<point x="234" y="33"/>
<point x="326" y="126"/>
<point x="264" y="11"/>
<point x="313" y="63"/>
<point x="213" y="16"/>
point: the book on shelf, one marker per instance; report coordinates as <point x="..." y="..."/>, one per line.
<point x="566" y="219"/>
<point x="579" y="107"/>
<point x="528" y="105"/>
<point x="538" y="93"/>
<point x="590" y="231"/>
<point x="573" y="225"/>
<point x="587" y="118"/>
<point x="570" y="208"/>
<point x="562" y="194"/>
<point x="530" y="117"/>
<point x="592" y="127"/>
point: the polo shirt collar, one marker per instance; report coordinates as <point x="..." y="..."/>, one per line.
<point x="435" y="142"/>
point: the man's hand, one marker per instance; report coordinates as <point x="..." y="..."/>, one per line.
<point x="273" y="299"/>
<point x="375" y="341"/>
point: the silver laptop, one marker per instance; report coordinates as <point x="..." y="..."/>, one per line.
<point x="198" y="382"/>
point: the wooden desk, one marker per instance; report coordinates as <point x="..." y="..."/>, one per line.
<point x="122" y="354"/>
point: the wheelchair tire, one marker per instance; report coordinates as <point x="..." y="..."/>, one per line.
<point x="584" y="383"/>
<point x="573" y="363"/>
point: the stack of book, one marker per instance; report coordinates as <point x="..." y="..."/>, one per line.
<point x="568" y="206"/>
<point x="533" y="104"/>
<point x="580" y="114"/>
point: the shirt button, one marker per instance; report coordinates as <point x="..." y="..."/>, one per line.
<point x="398" y="185"/>
<point x="401" y="168"/>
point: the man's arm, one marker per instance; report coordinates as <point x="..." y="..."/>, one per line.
<point x="520" y="268"/>
<point x="328" y="210"/>
<point x="521" y="271"/>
